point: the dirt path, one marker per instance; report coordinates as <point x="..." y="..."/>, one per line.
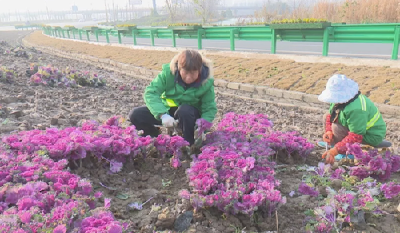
<point x="39" y="106"/>
<point x="381" y="84"/>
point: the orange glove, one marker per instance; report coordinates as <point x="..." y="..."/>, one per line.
<point x="330" y="154"/>
<point x="328" y="137"/>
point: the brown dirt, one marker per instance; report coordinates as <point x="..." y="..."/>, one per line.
<point x="381" y="84"/>
<point x="143" y="178"/>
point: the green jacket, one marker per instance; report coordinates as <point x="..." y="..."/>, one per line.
<point x="362" y="117"/>
<point x="168" y="90"/>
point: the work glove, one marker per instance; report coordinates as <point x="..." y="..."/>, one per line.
<point x="328" y="137"/>
<point x="330" y="155"/>
<point x="167" y="121"/>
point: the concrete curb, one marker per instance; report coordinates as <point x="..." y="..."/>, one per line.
<point x="292" y="99"/>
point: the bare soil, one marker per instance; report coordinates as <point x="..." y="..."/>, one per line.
<point x="143" y="179"/>
<point x="381" y="84"/>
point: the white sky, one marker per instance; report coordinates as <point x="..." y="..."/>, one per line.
<point x="56" y="5"/>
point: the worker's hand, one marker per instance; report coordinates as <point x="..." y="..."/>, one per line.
<point x="330" y="155"/>
<point x="167" y="121"/>
<point x="328" y="137"/>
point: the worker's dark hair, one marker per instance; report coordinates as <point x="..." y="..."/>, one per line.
<point x="190" y="60"/>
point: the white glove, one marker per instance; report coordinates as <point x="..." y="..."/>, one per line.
<point x="167" y="121"/>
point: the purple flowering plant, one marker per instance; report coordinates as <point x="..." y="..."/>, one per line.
<point x="357" y="193"/>
<point x="7" y="75"/>
<point x="38" y="194"/>
<point x="235" y="171"/>
<point x="51" y="76"/>
<point x="373" y="164"/>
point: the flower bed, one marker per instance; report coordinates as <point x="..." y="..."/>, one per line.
<point x="345" y="196"/>
<point x="38" y="194"/>
<point x="109" y="142"/>
<point x="51" y="76"/>
<point x="185" y="26"/>
<point x="300" y="24"/>
<point x="128" y="27"/>
<point x="235" y="169"/>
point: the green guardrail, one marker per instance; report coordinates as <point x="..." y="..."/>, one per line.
<point x="357" y="33"/>
<point x="31" y="27"/>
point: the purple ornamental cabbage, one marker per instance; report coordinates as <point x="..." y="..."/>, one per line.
<point x="305" y="189"/>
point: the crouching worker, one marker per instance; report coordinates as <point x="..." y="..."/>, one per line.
<point x="353" y="118"/>
<point x="183" y="92"/>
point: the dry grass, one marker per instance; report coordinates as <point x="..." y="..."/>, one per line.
<point x="380" y="83"/>
<point x="349" y="11"/>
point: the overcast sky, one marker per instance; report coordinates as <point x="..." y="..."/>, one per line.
<point x="58" y="5"/>
<point x="36" y="5"/>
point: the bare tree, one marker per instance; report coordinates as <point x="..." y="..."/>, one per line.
<point x="155" y="8"/>
<point x="206" y="9"/>
<point x="173" y="8"/>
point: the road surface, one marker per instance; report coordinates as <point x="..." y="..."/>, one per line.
<point x="361" y="50"/>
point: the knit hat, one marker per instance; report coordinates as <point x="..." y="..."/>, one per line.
<point x="339" y="90"/>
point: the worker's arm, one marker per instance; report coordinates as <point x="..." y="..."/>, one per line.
<point x="153" y="92"/>
<point x="357" y="124"/>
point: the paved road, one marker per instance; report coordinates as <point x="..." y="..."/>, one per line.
<point x="382" y="51"/>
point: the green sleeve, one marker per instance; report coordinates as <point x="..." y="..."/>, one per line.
<point x="208" y="105"/>
<point x="357" y="121"/>
<point x="153" y="92"/>
<point x="331" y="108"/>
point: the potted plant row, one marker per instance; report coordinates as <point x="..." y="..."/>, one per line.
<point x="300" y="24"/>
<point x="126" y="27"/>
<point x="185" y="26"/>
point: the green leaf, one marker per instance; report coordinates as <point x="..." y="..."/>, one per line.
<point x="309" y="212"/>
<point x="5" y="121"/>
<point x="122" y="196"/>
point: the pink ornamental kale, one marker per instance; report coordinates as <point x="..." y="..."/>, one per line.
<point x="345" y="201"/>
<point x="113" y="121"/>
<point x="202" y="126"/>
<point x="390" y="190"/>
<point x="107" y="203"/>
<point x="60" y="229"/>
<point x="338" y="173"/>
<point x="115" y="166"/>
<point x="305" y="189"/>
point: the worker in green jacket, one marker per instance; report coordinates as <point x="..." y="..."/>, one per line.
<point x="353" y="118"/>
<point x="182" y="91"/>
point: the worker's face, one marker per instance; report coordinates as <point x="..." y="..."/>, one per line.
<point x="189" y="76"/>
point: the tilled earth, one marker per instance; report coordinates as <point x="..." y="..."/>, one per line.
<point x="25" y="107"/>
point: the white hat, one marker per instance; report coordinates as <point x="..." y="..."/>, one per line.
<point x="339" y="90"/>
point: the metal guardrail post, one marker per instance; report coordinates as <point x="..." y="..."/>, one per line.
<point x="97" y="35"/>
<point x="73" y="34"/>
<point x="152" y="37"/>
<point x="173" y="38"/>
<point x="62" y="32"/>
<point x="69" y="36"/>
<point x="119" y="37"/>
<point x="232" y="39"/>
<point x="396" y="42"/>
<point x="200" y="33"/>
<point x="134" y="36"/>
<point x="107" y="37"/>
<point x="87" y="36"/>
<point x="325" y="48"/>
<point x="273" y="41"/>
<point x="80" y="34"/>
